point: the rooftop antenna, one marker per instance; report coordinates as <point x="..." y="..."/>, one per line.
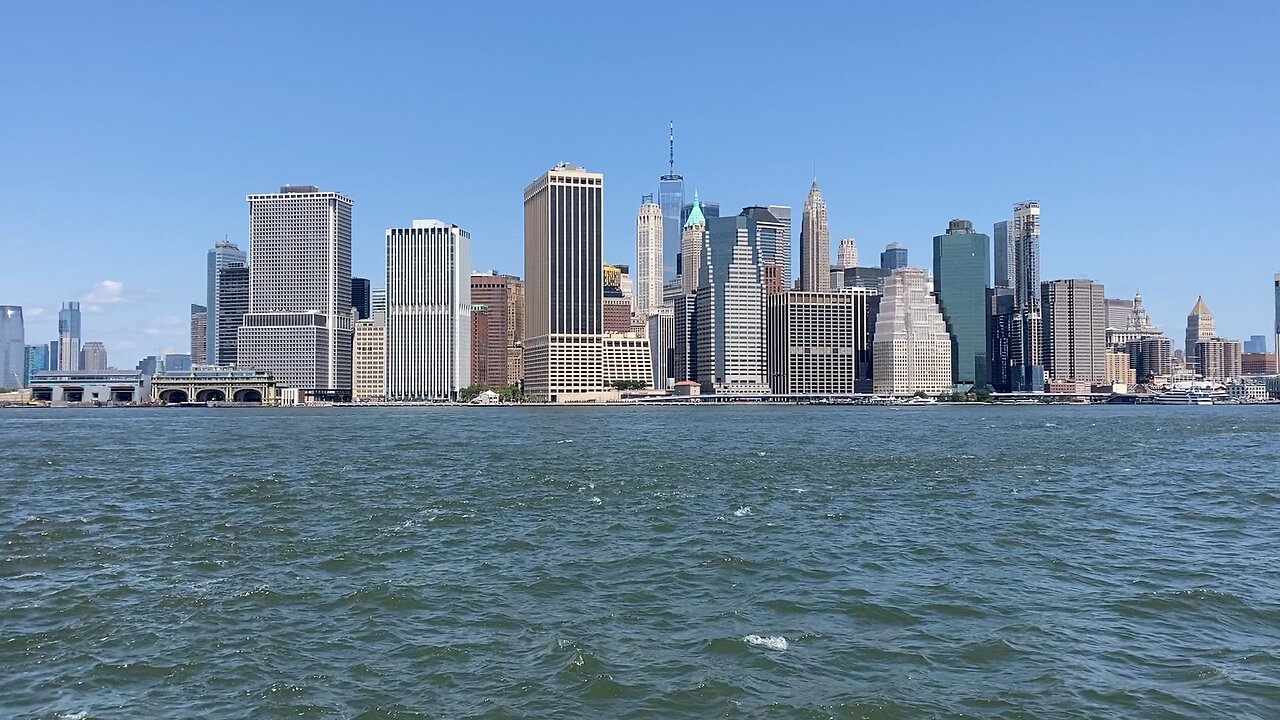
<point x="671" y="140"/>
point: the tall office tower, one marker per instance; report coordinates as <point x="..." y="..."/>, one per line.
<point x="428" y="311"/>
<point x="847" y="255"/>
<point x="1006" y="270"/>
<point x="893" y="257"/>
<point x="233" y="303"/>
<point x="729" y="306"/>
<point x="13" y="347"/>
<point x="999" y="335"/>
<point x="223" y="253"/>
<point x="37" y="360"/>
<point x="709" y="209"/>
<point x="94" y="357"/>
<point x="503" y="298"/>
<point x="648" y="257"/>
<point x="771" y="235"/>
<point x="1277" y="328"/>
<point x="684" y="347"/>
<point x="378" y="301"/>
<point x="299" y="322"/>
<point x="661" y="329"/>
<point x="369" y="359"/>
<point x="69" y="336"/>
<point x="961" y="279"/>
<point x="692" y="242"/>
<point x="479" y="342"/>
<point x="912" y="348"/>
<point x="815" y="340"/>
<point x="360" y="297"/>
<point x="55" y="352"/>
<point x="199" y="333"/>
<point x="1256" y="344"/>
<point x="1218" y="358"/>
<point x="1199" y="327"/>
<point x="1118" y="312"/>
<point x="671" y="200"/>
<point x="563" y="244"/>
<point x="815" y="243"/>
<point x="1150" y="357"/>
<point x="1075" y="330"/>
<point x="1027" y="373"/>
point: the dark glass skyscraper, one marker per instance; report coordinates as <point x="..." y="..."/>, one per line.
<point x="1004" y="256"/>
<point x="69" y="336"/>
<point x="961" y="279"/>
<point x="360" y="297"/>
<point x="671" y="200"/>
<point x="233" y="303"/>
<point x="223" y="253"/>
<point x="893" y="257"/>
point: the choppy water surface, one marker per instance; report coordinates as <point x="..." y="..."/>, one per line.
<point x="641" y="562"/>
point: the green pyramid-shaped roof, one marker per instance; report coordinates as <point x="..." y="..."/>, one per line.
<point x="695" y="215"/>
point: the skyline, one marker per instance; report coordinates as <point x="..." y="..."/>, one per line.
<point x="1158" y="148"/>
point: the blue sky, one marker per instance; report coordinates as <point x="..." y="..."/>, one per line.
<point x="131" y="132"/>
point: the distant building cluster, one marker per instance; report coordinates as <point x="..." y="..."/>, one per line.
<point x="711" y="308"/>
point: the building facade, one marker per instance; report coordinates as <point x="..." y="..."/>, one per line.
<point x="847" y="254"/>
<point x="563" y="246"/>
<point x="37" y="360"/>
<point x="1150" y="357"/>
<point x="648" y="257"/>
<point x="893" y="257"/>
<point x="818" y="342"/>
<point x="729" y="305"/>
<point x="503" y="298"/>
<point x="1120" y="368"/>
<point x="627" y="358"/>
<point x="199" y="333"/>
<point x="93" y="357"/>
<point x="1219" y="359"/>
<point x="1199" y="327"/>
<point x="912" y="348"/>
<point x="815" y="243"/>
<point x="299" y="325"/>
<point x="13" y="347"/>
<point x="961" y="280"/>
<point x="1027" y="373"/>
<point x="428" y="332"/>
<point x="1005" y="270"/>
<point x="772" y="237"/>
<point x="369" y="359"/>
<point x="360" y="297"/>
<point x="223" y="253"/>
<point x="661" y="330"/>
<point x="693" y="241"/>
<point x="670" y="200"/>
<point x="69" y="337"/>
<point x="1075" y="330"/>
<point x="233" y="303"/>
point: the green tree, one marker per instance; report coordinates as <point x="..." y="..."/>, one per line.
<point x="628" y="385"/>
<point x="472" y="391"/>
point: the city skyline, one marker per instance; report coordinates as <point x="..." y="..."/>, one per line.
<point x="1119" y="162"/>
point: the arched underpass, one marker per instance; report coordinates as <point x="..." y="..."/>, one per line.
<point x="247" y="395"/>
<point x="210" y="395"/>
<point x="173" y="396"/>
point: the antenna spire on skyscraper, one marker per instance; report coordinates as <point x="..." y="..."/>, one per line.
<point x="671" y="141"/>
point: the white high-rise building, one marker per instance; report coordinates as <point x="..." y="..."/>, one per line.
<point x="847" y="255"/>
<point x="564" y="285"/>
<point x="299" y="323"/>
<point x="912" y="348"/>
<point x="627" y="357"/>
<point x="815" y="243"/>
<point x="369" y="359"/>
<point x="428" y="311"/>
<point x="648" y="291"/>
<point x="729" y="315"/>
<point x="378" y="301"/>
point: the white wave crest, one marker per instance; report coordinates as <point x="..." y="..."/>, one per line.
<point x="771" y="642"/>
<point x="742" y="511"/>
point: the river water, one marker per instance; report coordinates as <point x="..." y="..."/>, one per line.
<point x="677" y="562"/>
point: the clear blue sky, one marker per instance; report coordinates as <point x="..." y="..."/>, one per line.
<point x="130" y="133"/>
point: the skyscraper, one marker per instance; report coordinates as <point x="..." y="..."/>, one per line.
<point x="37" y="360"/>
<point x="671" y="199"/>
<point x="563" y="246"/>
<point x="428" y="311"/>
<point x="233" y="303"/>
<point x="503" y="296"/>
<point x="961" y="280"/>
<point x="1218" y="358"/>
<point x="771" y="235"/>
<point x="693" y="242"/>
<point x="299" y="323"/>
<point x="648" y="257"/>
<point x="893" y="257"/>
<point x="369" y="359"/>
<point x="1256" y="344"/>
<point x="1199" y="327"/>
<point x="69" y="336"/>
<point x="1027" y="373"/>
<point x="815" y="243"/>
<point x="817" y="341"/>
<point x="729" y="306"/>
<point x="223" y="253"/>
<point x="847" y="255"/>
<point x="1277" y="328"/>
<point x="912" y="348"/>
<point x="13" y="347"/>
<point x="199" y="333"/>
<point x="378" y="301"/>
<point x="1006" y="270"/>
<point x="93" y="357"/>
<point x="1075" y="330"/>
<point x="360" y="297"/>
